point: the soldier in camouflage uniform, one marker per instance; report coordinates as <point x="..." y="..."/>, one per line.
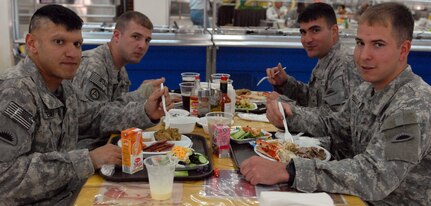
<point x="102" y="75"/>
<point x="334" y="77"/>
<point x="41" y="114"/>
<point x="388" y="119"/>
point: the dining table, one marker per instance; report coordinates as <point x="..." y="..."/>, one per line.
<point x="225" y="185"/>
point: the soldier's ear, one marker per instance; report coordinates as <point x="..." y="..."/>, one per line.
<point x="116" y="35"/>
<point x="405" y="50"/>
<point x="30" y="42"/>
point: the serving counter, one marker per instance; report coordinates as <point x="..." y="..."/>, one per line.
<point x="244" y="53"/>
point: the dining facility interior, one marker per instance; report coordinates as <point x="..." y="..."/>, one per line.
<point x="238" y="40"/>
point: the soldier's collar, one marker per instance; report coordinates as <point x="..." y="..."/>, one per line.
<point x="381" y="98"/>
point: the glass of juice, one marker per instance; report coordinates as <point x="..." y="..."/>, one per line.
<point x="161" y="170"/>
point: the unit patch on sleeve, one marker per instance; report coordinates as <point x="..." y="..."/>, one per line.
<point x="8" y="137"/>
<point x="94" y="94"/>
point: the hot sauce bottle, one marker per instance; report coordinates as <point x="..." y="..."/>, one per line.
<point x="225" y="101"/>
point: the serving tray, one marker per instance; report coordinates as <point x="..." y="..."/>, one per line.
<point x="241" y="152"/>
<point x="199" y="145"/>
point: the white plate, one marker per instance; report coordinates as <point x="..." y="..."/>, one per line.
<point x="254" y="107"/>
<point x="262" y="155"/>
<point x="184" y="142"/>
<point x="242" y="141"/>
<point x="253" y="117"/>
<point x="327" y="158"/>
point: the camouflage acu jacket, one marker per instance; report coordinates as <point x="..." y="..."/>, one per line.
<point x="389" y="135"/>
<point x="102" y="82"/>
<point x="39" y="159"/>
<point x="332" y="80"/>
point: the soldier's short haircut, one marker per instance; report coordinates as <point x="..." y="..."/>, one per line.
<point x="391" y="14"/>
<point x="137" y="17"/>
<point x="317" y="10"/>
<point x="57" y="14"/>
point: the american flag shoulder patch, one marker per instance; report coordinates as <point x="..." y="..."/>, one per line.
<point x="97" y="80"/>
<point x="19" y="115"/>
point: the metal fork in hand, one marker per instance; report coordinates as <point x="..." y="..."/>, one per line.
<point x="264" y="78"/>
<point x="287" y="136"/>
<point x="167" y="115"/>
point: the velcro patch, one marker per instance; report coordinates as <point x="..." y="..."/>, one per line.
<point x="98" y="81"/>
<point x="19" y="115"/>
<point x="402" y="137"/>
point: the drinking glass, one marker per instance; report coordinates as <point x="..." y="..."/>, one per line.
<point x="189" y="76"/>
<point x="186" y="91"/>
<point x="161" y="170"/>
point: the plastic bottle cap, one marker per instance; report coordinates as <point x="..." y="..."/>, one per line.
<point x="223" y="78"/>
<point x="197" y="77"/>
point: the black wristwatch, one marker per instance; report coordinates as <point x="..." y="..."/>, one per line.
<point x="290" y="168"/>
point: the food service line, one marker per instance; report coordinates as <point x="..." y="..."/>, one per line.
<point x="193" y="192"/>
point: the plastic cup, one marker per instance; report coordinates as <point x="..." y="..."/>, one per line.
<point x="161" y="170"/>
<point x="220" y="118"/>
<point x="189" y="76"/>
<point x="215" y="78"/>
<point x="186" y="90"/>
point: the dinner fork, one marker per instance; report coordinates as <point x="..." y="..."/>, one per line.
<point x="287" y="136"/>
<point x="264" y="78"/>
<point x="167" y="115"/>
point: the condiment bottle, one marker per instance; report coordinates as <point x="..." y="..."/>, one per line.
<point x="225" y="101"/>
<point x="232" y="95"/>
<point x="204" y="94"/>
<point x="215" y="100"/>
<point x="194" y="99"/>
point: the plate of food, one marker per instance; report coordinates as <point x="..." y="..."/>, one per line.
<point x="246" y="134"/>
<point x="188" y="158"/>
<point x="162" y="145"/>
<point x="282" y="151"/>
<point x="253" y="96"/>
<point x="245" y="105"/>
